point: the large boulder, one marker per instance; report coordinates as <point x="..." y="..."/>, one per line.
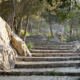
<point x="4" y="31"/>
<point x="7" y="56"/>
<point x="9" y="51"/>
<point x="19" y="45"/>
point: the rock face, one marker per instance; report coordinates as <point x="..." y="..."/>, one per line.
<point x="7" y="56"/>
<point x="4" y="31"/>
<point x="19" y="45"/>
<point x="9" y="51"/>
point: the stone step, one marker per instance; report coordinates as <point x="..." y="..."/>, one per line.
<point x="54" y="54"/>
<point x="53" y="48"/>
<point x="49" y="43"/>
<point x="52" y="51"/>
<point x="46" y="44"/>
<point x="47" y="64"/>
<point x="39" y="77"/>
<point x="68" y="71"/>
<point x="46" y="58"/>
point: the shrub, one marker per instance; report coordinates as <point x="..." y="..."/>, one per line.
<point x="73" y="38"/>
<point x="48" y="34"/>
<point x="22" y="33"/>
<point x="44" y="24"/>
<point x="67" y="29"/>
<point x="29" y="45"/>
<point x="63" y="40"/>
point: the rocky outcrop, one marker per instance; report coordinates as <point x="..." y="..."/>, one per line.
<point x="7" y="56"/>
<point x="4" y="31"/>
<point x="19" y="45"/>
<point x="9" y="51"/>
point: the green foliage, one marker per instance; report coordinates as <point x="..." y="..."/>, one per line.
<point x="63" y="40"/>
<point x="48" y="35"/>
<point x="74" y="37"/>
<point x="35" y="26"/>
<point x="70" y="15"/>
<point x="44" y="24"/>
<point x="79" y="79"/>
<point x="22" y="33"/>
<point x="29" y="45"/>
<point x="62" y="16"/>
<point x="66" y="29"/>
<point x="53" y="72"/>
<point x="70" y="39"/>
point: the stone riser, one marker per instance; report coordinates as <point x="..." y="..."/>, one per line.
<point x="47" y="65"/>
<point x="28" y="59"/>
<point x="46" y="44"/>
<point x="51" y="48"/>
<point x="52" y="51"/>
<point x="55" y="46"/>
<point x="70" y="71"/>
<point x="46" y="73"/>
<point x="54" y="54"/>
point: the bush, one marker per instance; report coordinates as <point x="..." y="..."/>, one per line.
<point x="63" y="40"/>
<point x="73" y="38"/>
<point x="29" y="45"/>
<point x="48" y="35"/>
<point x="44" y="24"/>
<point x="67" y="29"/>
<point x="22" y="33"/>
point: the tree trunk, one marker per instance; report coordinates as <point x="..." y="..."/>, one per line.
<point x="77" y="32"/>
<point x="51" y="31"/>
<point x="13" y="14"/>
<point x="38" y="27"/>
<point x="26" y="26"/>
<point x="19" y="26"/>
<point x="70" y="30"/>
<point x="31" y="27"/>
<point x="15" y="25"/>
<point x="15" y="5"/>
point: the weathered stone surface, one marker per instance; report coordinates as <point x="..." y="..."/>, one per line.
<point x="55" y="40"/>
<point x="73" y="42"/>
<point x="4" y="31"/>
<point x="19" y="45"/>
<point x="7" y="58"/>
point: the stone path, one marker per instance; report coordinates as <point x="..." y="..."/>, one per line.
<point x="39" y="78"/>
<point x="47" y="62"/>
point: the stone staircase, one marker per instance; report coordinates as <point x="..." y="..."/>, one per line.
<point x="48" y="60"/>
